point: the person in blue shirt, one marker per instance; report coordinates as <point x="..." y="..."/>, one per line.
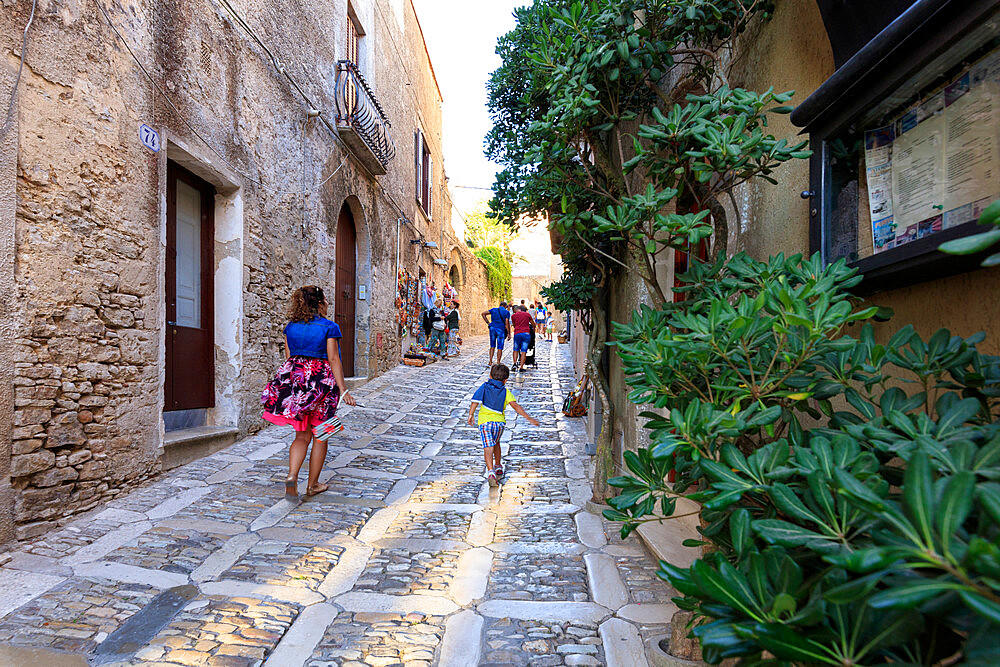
<point x="492" y="399"/>
<point x="498" y="321"/>
<point x="309" y="385"/>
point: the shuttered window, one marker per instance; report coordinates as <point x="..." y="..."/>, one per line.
<point x="352" y="40"/>
<point x="424" y="170"/>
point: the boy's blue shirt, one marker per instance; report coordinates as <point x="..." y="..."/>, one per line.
<point x="492" y="394"/>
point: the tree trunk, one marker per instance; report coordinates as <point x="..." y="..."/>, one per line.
<point x="720" y="242"/>
<point x="604" y="462"/>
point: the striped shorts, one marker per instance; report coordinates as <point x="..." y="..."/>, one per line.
<point x="490" y="433"/>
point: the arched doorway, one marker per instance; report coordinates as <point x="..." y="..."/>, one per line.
<point x="345" y="290"/>
<point x="454" y="277"/>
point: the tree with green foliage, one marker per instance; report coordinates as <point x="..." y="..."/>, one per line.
<point x="844" y="520"/>
<point x="616" y="119"/>
<point x="482" y="231"/>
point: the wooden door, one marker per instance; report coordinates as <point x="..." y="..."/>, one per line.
<point x="190" y="344"/>
<point x="343" y="303"/>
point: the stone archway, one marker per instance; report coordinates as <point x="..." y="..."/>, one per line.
<point x="456" y="274"/>
<point x="363" y="282"/>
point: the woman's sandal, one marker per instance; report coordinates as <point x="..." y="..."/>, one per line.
<point x="292" y="487"/>
<point x="319" y="488"/>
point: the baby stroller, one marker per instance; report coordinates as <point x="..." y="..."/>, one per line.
<point x="529" y="357"/>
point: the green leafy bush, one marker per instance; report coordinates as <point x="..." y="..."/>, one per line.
<point x="498" y="272"/>
<point x="849" y="490"/>
<point x="970" y="245"/>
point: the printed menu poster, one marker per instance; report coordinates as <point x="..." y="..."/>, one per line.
<point x="971" y="154"/>
<point x="918" y="173"/>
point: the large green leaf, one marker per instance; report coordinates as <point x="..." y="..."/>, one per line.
<point x="787" y="644"/>
<point x="787" y="502"/>
<point x="776" y="531"/>
<point x="985" y="607"/>
<point x="912" y="593"/>
<point x="918" y="495"/>
<point x="739" y="530"/>
<point x="969" y="245"/>
<point x="955" y="504"/>
<point x="721" y="473"/>
<point x="721" y="587"/>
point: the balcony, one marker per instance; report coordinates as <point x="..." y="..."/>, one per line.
<point x="361" y="121"/>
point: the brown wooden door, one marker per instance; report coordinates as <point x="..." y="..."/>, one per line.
<point x="190" y="358"/>
<point x="346" y="274"/>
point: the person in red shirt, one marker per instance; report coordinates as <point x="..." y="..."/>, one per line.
<point x="523" y="326"/>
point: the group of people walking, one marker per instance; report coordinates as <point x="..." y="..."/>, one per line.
<point x="309" y="384"/>
<point x="525" y="324"/>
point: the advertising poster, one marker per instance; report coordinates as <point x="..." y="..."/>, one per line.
<point x="878" y="163"/>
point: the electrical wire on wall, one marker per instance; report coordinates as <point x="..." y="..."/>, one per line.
<point x="312" y="109"/>
<point x="180" y="116"/>
<point x="311" y="112"/>
<point x="17" y="80"/>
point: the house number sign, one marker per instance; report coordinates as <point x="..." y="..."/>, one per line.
<point x="149" y="137"/>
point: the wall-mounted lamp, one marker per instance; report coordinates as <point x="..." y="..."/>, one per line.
<point x="431" y="244"/>
<point x="440" y="262"/>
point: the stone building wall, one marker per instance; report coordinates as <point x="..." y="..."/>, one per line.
<point x="82" y="218"/>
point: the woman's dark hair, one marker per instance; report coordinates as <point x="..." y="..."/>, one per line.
<point x="305" y="303"/>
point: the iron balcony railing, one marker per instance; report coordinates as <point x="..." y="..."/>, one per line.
<point x="357" y="107"/>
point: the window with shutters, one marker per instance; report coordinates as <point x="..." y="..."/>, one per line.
<point x="424" y="169"/>
<point x="355" y="35"/>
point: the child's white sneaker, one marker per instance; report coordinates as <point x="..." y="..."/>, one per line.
<point x="491" y="479"/>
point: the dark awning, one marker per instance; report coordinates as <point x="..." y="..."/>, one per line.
<point x="921" y="32"/>
<point x="850" y="24"/>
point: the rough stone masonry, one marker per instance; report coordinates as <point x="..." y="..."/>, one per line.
<point x="82" y="206"/>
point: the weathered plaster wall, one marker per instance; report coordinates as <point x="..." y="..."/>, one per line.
<point x="86" y="253"/>
<point x="789" y="52"/>
<point x="10" y="317"/>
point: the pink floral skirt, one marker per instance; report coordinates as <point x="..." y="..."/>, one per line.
<point x="303" y="394"/>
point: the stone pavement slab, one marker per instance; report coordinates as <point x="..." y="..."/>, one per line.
<point x="410" y="558"/>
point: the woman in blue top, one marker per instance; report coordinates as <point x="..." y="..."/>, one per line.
<point x="306" y="389"/>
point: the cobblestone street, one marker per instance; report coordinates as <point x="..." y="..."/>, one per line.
<point x="409" y="559"/>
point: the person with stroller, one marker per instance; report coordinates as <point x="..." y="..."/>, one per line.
<point x="523" y="328"/>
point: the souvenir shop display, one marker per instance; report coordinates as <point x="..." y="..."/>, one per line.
<point x="408" y="306"/>
<point x="575" y="404"/>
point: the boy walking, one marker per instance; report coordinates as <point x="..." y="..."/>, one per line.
<point x="492" y="398"/>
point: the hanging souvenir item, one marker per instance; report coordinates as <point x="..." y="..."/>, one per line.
<point x="401" y="298"/>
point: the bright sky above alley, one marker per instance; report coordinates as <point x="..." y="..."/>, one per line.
<point x="461" y="37"/>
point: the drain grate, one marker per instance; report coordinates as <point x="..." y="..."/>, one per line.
<point x="137" y="631"/>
